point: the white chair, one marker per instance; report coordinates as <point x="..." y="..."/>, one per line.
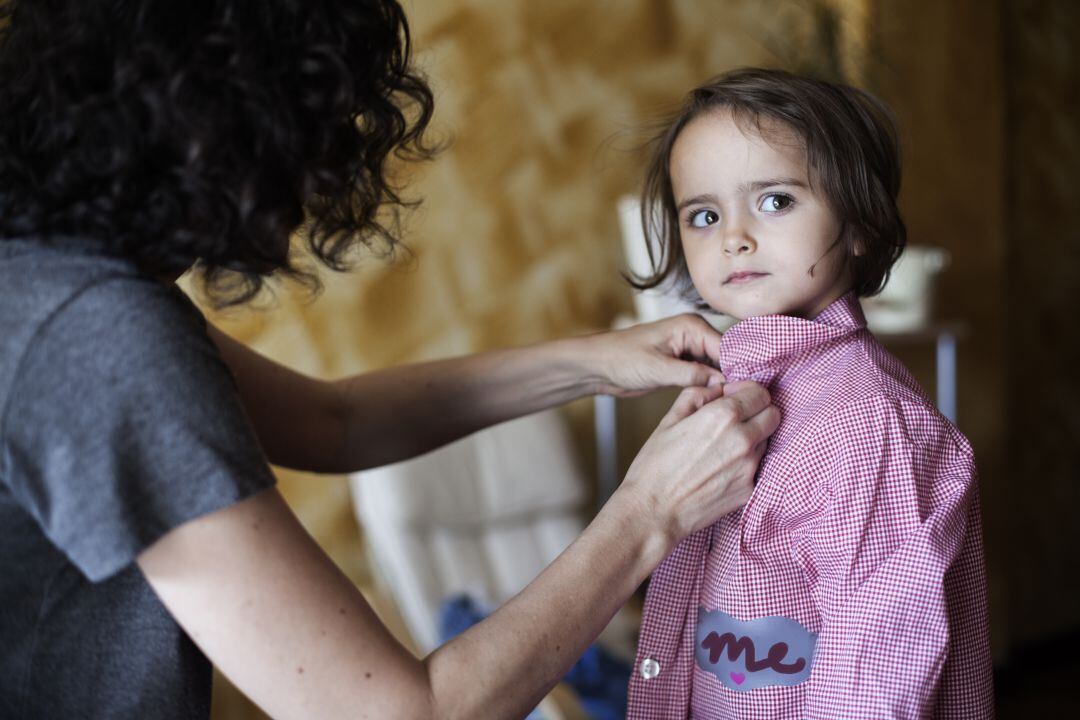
<point x="481" y="516"/>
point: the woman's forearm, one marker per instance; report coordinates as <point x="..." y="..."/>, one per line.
<point x="389" y="415"/>
<point x="254" y="591"/>
<point x="401" y="412"/>
<point x="523" y="649"/>
<point x="397" y="413"/>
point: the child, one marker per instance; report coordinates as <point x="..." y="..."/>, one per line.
<point x="851" y="585"/>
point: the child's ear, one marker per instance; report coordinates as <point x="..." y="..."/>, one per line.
<point x="857" y="243"/>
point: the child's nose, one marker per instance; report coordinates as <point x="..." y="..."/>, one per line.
<point x="738" y="242"/>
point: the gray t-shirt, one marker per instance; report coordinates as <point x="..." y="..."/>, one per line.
<point x="118" y="422"/>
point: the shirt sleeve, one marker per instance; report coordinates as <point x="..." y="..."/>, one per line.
<point x="123" y="423"/>
<point x="895" y="490"/>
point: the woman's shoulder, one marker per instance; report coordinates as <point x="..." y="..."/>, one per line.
<point x="73" y="316"/>
<point x="70" y="281"/>
<point x="60" y="272"/>
<point x="126" y="323"/>
<point x="97" y="326"/>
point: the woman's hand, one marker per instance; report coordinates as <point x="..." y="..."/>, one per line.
<point x="700" y="462"/>
<point x="675" y="352"/>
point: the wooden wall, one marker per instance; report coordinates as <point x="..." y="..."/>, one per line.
<point x="1042" y="320"/>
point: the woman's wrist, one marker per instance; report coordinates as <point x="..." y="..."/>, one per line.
<point x="577" y="363"/>
<point x="638" y="524"/>
<point x="588" y="361"/>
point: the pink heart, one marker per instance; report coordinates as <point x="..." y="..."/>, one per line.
<point x="739" y="678"/>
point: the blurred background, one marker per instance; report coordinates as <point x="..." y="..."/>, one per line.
<point x="518" y="240"/>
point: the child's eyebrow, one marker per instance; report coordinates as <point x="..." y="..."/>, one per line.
<point x="705" y="199"/>
<point x="772" y="182"/>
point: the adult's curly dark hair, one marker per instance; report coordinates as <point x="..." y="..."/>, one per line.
<point x="207" y="132"/>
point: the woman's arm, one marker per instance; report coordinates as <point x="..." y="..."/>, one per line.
<point x="255" y="592"/>
<point x="388" y="415"/>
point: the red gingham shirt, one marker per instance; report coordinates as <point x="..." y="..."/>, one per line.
<point x="862" y="536"/>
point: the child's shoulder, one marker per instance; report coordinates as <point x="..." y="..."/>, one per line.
<point x="868" y="400"/>
<point x="873" y="449"/>
<point x="880" y="417"/>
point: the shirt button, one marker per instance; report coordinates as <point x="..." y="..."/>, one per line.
<point x="649" y="668"/>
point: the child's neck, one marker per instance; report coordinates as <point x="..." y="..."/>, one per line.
<point x="802" y="313"/>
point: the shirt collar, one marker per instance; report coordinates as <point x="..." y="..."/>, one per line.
<point x="760" y="348"/>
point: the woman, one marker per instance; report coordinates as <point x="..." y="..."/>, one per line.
<point x="140" y="533"/>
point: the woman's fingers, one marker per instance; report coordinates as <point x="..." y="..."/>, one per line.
<point x="748" y="398"/>
<point x="687" y="373"/>
<point x="675" y="352"/>
<point x="700" y="462"/>
<point x="692" y="336"/>
<point x="689" y="401"/>
<point x="732" y="403"/>
<point x="762" y="425"/>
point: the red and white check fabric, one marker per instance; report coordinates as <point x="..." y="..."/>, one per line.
<point x="864" y="528"/>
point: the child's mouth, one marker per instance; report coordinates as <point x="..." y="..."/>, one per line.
<point x="742" y="277"/>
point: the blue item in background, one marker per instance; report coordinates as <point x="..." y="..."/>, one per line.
<point x="598" y="678"/>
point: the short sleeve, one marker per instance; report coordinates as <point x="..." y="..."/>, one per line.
<point x="124" y="423"/>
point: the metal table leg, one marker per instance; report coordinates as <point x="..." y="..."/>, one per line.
<point x="946" y="374"/>
<point x="607" y="461"/>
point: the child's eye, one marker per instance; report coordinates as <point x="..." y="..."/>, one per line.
<point x="776" y="202"/>
<point x="704" y="218"/>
